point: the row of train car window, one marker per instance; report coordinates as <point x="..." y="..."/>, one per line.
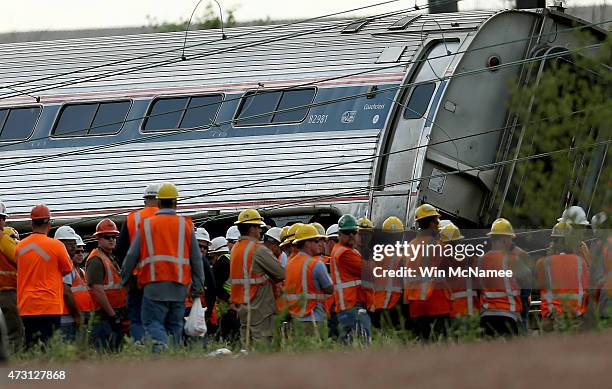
<point x="164" y="114"/>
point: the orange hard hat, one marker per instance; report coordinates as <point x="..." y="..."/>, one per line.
<point x="40" y="211"/>
<point x="106" y="226"/>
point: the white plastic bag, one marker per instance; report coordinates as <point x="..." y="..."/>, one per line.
<point x="195" y="323"/>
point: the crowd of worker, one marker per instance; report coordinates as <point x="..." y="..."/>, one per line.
<point x="142" y="280"/>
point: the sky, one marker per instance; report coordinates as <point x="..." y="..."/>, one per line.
<point x="36" y="15"/>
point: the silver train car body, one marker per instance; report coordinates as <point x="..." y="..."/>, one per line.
<point x="403" y="81"/>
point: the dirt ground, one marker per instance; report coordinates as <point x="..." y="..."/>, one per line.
<point x="579" y="361"/>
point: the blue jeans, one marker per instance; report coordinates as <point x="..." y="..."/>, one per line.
<point x="134" y="309"/>
<point x="103" y="335"/>
<point x="68" y="331"/>
<point x="349" y="320"/>
<point x="163" y="318"/>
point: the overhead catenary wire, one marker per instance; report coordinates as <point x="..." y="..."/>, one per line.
<point x="333" y="78"/>
<point x="314" y="104"/>
<point x="177" y="49"/>
<point x="202" y="55"/>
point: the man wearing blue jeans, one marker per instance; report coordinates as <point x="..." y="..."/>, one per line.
<point x="160" y="248"/>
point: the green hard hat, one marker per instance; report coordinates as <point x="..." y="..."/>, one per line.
<point x="347" y="223"/>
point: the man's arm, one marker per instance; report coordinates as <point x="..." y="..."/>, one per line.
<point x="69" y="297"/>
<point x="322" y="280"/>
<point x="197" y="265"/>
<point x="7" y="246"/>
<point x="268" y="262"/>
<point x="130" y="261"/>
<point x="123" y="244"/>
<point x="64" y="264"/>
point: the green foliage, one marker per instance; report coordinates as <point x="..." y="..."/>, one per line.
<point x="208" y="20"/>
<point x="569" y="107"/>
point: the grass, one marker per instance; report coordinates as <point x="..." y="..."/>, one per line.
<point x="464" y="330"/>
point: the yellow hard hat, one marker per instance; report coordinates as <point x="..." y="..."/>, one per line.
<point x="365" y="224"/>
<point x="502" y="227"/>
<point x="450" y="232"/>
<point x="291" y="234"/>
<point x="393" y="224"/>
<point x="306" y="232"/>
<point x="11" y="232"/>
<point x="249" y="216"/>
<point x="425" y="210"/>
<point x="319" y="227"/>
<point x="561" y="230"/>
<point x="167" y="191"/>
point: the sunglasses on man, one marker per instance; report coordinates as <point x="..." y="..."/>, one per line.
<point x="109" y="237"/>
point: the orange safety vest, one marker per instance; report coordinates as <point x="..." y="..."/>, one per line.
<point x="386" y="290"/>
<point x="421" y="287"/>
<point x="500" y="293"/>
<point x="464" y="299"/>
<point x="242" y="278"/>
<point x="279" y="292"/>
<point x="347" y="287"/>
<point x="329" y="301"/>
<point x="81" y="293"/>
<point x="164" y="249"/>
<point x="41" y="264"/>
<point x="133" y="224"/>
<point x="563" y="279"/>
<point x="8" y="266"/>
<point x="115" y="293"/>
<point x="302" y="296"/>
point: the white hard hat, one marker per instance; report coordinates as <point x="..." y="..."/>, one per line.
<point x="598" y="219"/>
<point x="218" y="245"/>
<point x="444" y="223"/>
<point x="232" y="233"/>
<point x="202" y="234"/>
<point x="80" y="241"/>
<point x="66" y="233"/>
<point x="151" y="191"/>
<point x="574" y="215"/>
<point x="274" y="233"/>
<point x="3" y="209"/>
<point x="332" y="231"/>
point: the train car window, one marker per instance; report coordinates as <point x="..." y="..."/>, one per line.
<point x="92" y="118"/>
<point x="183" y="112"/>
<point x="18" y="123"/>
<point x="257" y="103"/>
<point x="355" y="26"/>
<point x="266" y="103"/>
<point x="419" y="101"/>
<point x="166" y="114"/>
<point x="403" y="22"/>
<point x="201" y="111"/>
<point x="110" y="118"/>
<point x="294" y="99"/>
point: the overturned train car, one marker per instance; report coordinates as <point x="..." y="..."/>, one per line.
<point x="304" y="121"/>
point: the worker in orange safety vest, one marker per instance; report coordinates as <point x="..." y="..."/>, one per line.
<point x="428" y="297"/>
<point x="349" y="297"/>
<point x="166" y="251"/>
<point x="387" y="290"/>
<point x="9" y="238"/>
<point x="307" y="283"/>
<point x="253" y="272"/>
<point x="500" y="297"/>
<point x="126" y="237"/>
<point x="41" y="264"/>
<point x="108" y="295"/>
<point x="562" y="277"/>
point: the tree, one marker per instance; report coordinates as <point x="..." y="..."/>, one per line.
<point x="208" y="20"/>
<point x="571" y="108"/>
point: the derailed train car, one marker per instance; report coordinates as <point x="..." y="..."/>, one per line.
<point x="304" y="121"/>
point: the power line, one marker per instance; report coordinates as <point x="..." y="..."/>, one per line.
<point x="198" y="56"/>
<point x="361" y="72"/>
<point x="177" y="49"/>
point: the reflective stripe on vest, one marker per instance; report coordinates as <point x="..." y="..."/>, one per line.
<point x="339" y="285"/>
<point x="468" y="294"/>
<point x="305" y="295"/>
<point x="509" y="293"/>
<point x="247" y="281"/>
<point x="108" y="266"/>
<point x="37" y="248"/>
<point x="550" y="296"/>
<point x="152" y="259"/>
<point x="389" y="288"/>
